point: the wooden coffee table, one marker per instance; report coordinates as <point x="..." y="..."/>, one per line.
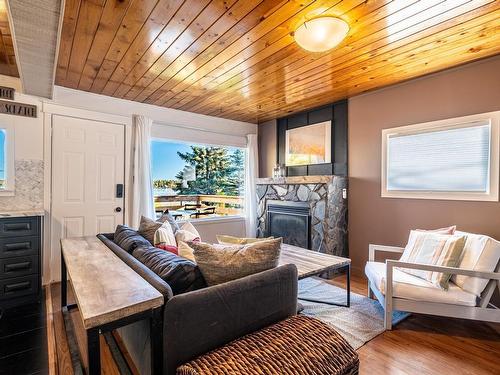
<point x="312" y="263"/>
<point x="109" y="295"/>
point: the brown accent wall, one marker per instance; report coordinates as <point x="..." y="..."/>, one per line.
<point x="466" y="90"/>
<point x="267" y="148"/>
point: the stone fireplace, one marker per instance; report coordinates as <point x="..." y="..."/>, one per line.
<point x="307" y="211"/>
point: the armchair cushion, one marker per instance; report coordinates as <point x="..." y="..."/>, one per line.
<point x="481" y="253"/>
<point x="415" y="288"/>
<point x="434" y="249"/>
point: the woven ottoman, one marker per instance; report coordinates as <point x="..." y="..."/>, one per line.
<point x="298" y="345"/>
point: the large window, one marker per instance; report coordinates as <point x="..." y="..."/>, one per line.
<point x="450" y="159"/>
<point x="196" y="181"/>
<point x="6" y="160"/>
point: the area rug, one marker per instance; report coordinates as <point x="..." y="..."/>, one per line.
<point x="360" y="323"/>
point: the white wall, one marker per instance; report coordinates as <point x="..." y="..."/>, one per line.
<point x="33" y="140"/>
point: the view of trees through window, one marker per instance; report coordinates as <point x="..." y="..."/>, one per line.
<point x="197" y="181"/>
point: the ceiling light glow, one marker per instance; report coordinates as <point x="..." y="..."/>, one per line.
<point x="321" y="34"/>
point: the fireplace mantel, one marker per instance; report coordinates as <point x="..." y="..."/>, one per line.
<point x="294" y="180"/>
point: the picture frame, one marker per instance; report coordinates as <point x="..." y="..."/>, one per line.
<point x="309" y="145"/>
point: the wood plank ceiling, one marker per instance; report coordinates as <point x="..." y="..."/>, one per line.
<point x="8" y="64"/>
<point x="237" y="58"/>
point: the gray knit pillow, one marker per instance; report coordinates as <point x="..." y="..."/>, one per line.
<point x="222" y="263"/>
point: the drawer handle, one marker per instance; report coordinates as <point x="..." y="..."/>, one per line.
<point x="17" y="266"/>
<point x="18" y="246"/>
<point x="16" y="227"/>
<point x="17" y="286"/>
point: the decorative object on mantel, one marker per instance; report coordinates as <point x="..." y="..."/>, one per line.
<point x="327" y="208"/>
<point x="279" y="170"/>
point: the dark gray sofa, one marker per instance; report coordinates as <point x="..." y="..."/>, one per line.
<point x="199" y="321"/>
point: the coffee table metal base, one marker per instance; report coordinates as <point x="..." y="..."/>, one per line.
<point x="347" y="269"/>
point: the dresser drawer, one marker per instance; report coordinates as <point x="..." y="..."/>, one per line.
<point x="18" y="266"/>
<point x="19" y="226"/>
<point x="18" y="286"/>
<point x="19" y="246"/>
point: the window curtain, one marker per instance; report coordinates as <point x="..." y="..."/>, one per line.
<point x="251" y="171"/>
<point x="142" y="186"/>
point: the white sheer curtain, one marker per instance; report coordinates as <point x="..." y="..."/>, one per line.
<point x="251" y="172"/>
<point x="142" y="185"/>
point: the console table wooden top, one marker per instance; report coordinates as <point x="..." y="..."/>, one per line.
<point x="309" y="262"/>
<point x="105" y="288"/>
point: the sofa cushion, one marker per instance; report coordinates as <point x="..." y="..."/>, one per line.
<point x="481" y="253"/>
<point x="181" y="274"/>
<point x="157" y="232"/>
<point x="186" y="233"/>
<point x="129" y="239"/>
<point x="231" y="240"/>
<point x="435" y="249"/>
<point x="221" y="263"/>
<point x="415" y="288"/>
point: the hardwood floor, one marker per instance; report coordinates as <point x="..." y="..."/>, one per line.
<point x="23" y="340"/>
<point x="419" y="345"/>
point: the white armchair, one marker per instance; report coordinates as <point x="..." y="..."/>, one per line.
<point x="397" y="290"/>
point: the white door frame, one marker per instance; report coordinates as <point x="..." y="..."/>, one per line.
<point x="48" y="111"/>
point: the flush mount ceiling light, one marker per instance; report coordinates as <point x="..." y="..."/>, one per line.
<point x="321" y="33"/>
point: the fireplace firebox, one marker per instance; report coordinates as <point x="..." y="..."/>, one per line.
<point x="291" y="221"/>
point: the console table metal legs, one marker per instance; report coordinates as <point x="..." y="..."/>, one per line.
<point x="93" y="343"/>
<point x="347" y="269"/>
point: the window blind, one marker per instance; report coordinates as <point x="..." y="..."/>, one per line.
<point x="448" y="160"/>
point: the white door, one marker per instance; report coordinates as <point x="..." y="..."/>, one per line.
<point x="87" y="166"/>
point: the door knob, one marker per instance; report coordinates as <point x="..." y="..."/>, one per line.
<point x="118" y="209"/>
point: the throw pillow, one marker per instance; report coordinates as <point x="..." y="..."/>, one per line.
<point x="446" y="230"/>
<point x="230" y="240"/>
<point x="436" y="249"/>
<point x="221" y="263"/>
<point x="180" y="274"/>
<point x="187" y="233"/>
<point x="185" y="251"/>
<point x="167" y="217"/>
<point x="128" y="239"/>
<point x="157" y="233"/>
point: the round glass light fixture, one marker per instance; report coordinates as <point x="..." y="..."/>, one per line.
<point x="321" y="33"/>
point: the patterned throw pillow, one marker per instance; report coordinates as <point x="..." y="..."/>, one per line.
<point x="446" y="230"/>
<point x="230" y="240"/>
<point x="159" y="234"/>
<point x="186" y="234"/>
<point x="222" y="263"/>
<point x="435" y="249"/>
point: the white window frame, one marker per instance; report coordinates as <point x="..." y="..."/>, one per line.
<point x="159" y="136"/>
<point x="10" y="170"/>
<point x="492" y="194"/>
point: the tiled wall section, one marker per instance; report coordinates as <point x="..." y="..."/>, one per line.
<point x="29" y="187"/>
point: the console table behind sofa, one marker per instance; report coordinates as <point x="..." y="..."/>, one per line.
<point x="196" y="322"/>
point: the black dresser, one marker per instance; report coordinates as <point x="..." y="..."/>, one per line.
<point x="20" y="260"/>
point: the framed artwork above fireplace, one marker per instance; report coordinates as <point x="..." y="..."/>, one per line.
<point x="310" y="144"/>
<point x="314" y="142"/>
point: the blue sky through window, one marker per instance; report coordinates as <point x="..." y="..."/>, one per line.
<point x="165" y="163"/>
<point x="164" y="159"/>
<point x="2" y="154"/>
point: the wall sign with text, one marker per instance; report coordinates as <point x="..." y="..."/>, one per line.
<point x="7" y="93"/>
<point x="17" y="109"/>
